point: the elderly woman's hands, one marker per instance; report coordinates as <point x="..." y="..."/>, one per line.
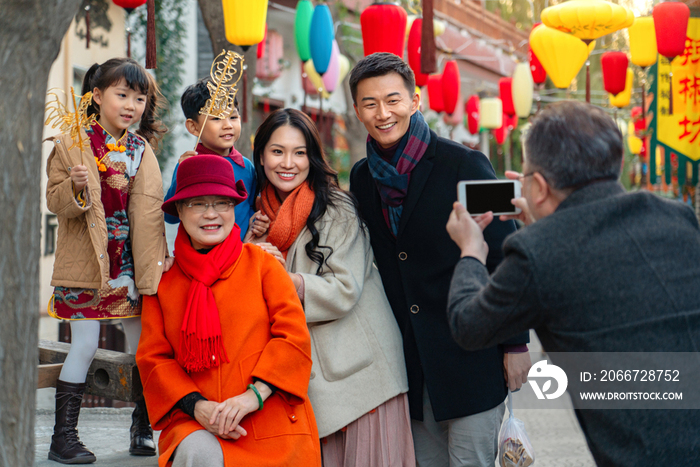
<point x="205" y="411"/>
<point x="230" y="412"/>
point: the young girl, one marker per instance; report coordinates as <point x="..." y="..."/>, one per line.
<point x="358" y="379"/>
<point x="111" y="240"/>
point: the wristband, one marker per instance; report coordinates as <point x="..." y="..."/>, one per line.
<point x="257" y="393"/>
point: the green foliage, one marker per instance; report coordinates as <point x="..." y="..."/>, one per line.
<point x="349" y="33"/>
<point x="170" y="37"/>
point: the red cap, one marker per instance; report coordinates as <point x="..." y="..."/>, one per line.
<point x="205" y="176"/>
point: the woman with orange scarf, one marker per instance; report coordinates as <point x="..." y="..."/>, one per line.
<point x="358" y="379"/>
<point x="225" y="354"/>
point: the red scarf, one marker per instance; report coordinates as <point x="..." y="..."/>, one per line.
<point x="287" y="219"/>
<point x="234" y="155"/>
<point x="200" y="336"/>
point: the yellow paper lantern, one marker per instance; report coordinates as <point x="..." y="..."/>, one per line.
<point x="587" y="19"/>
<point x="245" y="21"/>
<point x="315" y="78"/>
<point x="522" y="89"/>
<point x="643" y="42"/>
<point x="633" y="143"/>
<point x="622" y="126"/>
<point x="491" y="113"/>
<point x="623" y="99"/>
<point x="439" y="27"/>
<point x="562" y="55"/>
<point x="344" y="68"/>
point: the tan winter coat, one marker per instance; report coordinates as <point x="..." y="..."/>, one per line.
<point x="81" y="250"/>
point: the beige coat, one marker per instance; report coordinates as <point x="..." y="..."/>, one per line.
<point x="81" y="251"/>
<point x="357" y="350"/>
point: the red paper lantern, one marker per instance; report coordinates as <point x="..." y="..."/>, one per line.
<point x="539" y="76"/>
<point x="414" y="38"/>
<point x="505" y="86"/>
<point x="671" y="25"/>
<point x="269" y="67"/>
<point x="261" y="46"/>
<point x="383" y="28"/>
<point x="636" y="115"/>
<point x="129" y="4"/>
<point x="450" y="86"/>
<point x="501" y="133"/>
<point x="471" y="108"/>
<point x="435" y="93"/>
<point x="614" y="66"/>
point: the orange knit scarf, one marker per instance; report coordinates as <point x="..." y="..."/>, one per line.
<point x="287" y="219"/>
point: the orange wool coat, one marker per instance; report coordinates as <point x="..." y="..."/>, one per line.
<point x="265" y="335"/>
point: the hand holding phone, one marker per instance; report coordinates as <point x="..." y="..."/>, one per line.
<point x="524" y="216"/>
<point x="482" y="196"/>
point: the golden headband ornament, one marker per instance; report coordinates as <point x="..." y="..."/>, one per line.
<point x="58" y="116"/>
<point x="226" y="72"/>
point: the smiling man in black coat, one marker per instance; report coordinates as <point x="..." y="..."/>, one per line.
<point x="405" y="189"/>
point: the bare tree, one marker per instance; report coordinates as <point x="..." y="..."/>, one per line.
<point x="30" y="38"/>
<point x="213" y="16"/>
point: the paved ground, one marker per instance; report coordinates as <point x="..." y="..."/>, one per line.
<point x="555" y="434"/>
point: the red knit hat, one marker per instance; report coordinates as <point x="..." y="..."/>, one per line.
<point x="205" y="176"/>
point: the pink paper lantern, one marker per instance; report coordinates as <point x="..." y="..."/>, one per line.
<point x="330" y="77"/>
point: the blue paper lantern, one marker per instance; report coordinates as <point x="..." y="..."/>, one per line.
<point x="321" y="38"/>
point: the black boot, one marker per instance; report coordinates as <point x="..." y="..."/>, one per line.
<point x="141" y="433"/>
<point x="66" y="448"/>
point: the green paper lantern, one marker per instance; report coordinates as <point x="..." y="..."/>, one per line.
<point x="302" y="26"/>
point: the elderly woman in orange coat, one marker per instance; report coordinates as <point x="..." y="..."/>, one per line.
<point x="225" y="354"/>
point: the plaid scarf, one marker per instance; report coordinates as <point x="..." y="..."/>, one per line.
<point x="392" y="177"/>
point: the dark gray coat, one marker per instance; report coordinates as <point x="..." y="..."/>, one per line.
<point x="607" y="272"/>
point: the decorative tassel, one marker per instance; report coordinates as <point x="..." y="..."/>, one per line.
<point x="87" y="26"/>
<point x="428" y="59"/>
<point x="128" y="42"/>
<point x="151" y="54"/>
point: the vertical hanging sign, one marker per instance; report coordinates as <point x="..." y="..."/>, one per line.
<point x="679" y="133"/>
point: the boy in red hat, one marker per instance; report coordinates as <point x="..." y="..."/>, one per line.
<point x="217" y="137"/>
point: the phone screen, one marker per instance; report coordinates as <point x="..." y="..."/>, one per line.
<point x="487" y="197"/>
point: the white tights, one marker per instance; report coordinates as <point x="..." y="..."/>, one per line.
<point x="85" y="335"/>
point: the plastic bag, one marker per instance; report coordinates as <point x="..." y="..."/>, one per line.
<point x="514" y="447"/>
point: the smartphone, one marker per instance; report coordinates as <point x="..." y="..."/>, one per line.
<point x="480" y="196"/>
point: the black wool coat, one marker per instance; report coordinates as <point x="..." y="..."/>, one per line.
<point x="416" y="268"/>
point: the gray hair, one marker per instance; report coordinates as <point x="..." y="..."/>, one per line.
<point x="573" y="143"/>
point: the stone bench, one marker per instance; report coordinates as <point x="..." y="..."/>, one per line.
<point x="113" y="375"/>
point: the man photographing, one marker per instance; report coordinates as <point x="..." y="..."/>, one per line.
<point x="595" y="270"/>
